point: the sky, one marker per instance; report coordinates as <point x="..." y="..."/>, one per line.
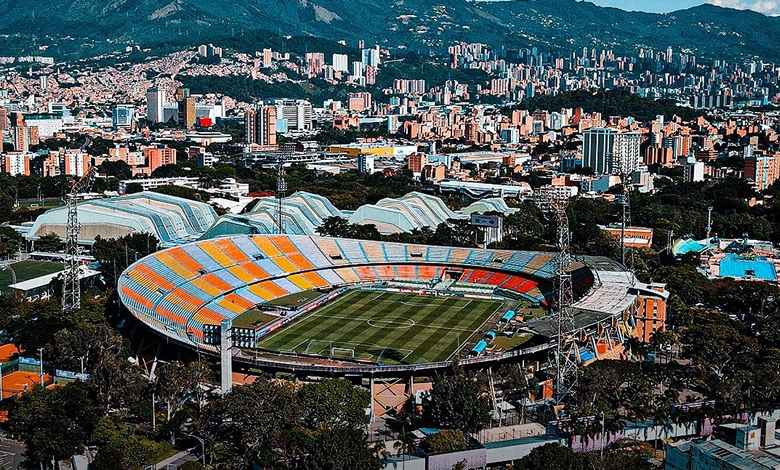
<point x="768" y="7"/>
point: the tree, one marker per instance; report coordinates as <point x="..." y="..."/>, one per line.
<point x="457" y="402"/>
<point x="239" y="427"/>
<point x="175" y="382"/>
<point x="333" y="402"/>
<point x="51" y="243"/>
<point x="53" y="423"/>
<point x="553" y="457"/>
<point x="445" y="441"/>
<point x="133" y="188"/>
<point x="118" y="447"/>
<point x="341" y="447"/>
<point x="118" y="169"/>
<point x="116" y="254"/>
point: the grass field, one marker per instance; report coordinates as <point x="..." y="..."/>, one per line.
<point x="386" y="327"/>
<point x="26" y="270"/>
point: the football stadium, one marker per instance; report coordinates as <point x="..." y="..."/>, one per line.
<point x="306" y="303"/>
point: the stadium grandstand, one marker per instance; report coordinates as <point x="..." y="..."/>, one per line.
<point x="185" y="293"/>
<point x="304" y="212"/>
<point x="172" y="220"/>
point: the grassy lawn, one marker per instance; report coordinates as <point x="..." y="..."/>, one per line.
<point x="252" y="318"/>
<point x="386" y="327"/>
<point x="26" y="270"/>
<point x="295" y="300"/>
<point x="506" y="343"/>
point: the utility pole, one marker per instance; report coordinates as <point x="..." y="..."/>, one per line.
<point x="40" y="352"/>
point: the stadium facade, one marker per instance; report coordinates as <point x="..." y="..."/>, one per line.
<point x="304" y="212"/>
<point x="172" y="220"/>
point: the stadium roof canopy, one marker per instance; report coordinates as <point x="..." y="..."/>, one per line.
<point x="304" y="212"/>
<point x="172" y="220"/>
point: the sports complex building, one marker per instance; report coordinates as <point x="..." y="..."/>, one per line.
<point x="319" y="306"/>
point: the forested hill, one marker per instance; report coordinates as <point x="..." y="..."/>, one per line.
<point x="611" y="103"/>
<point x="82" y="27"/>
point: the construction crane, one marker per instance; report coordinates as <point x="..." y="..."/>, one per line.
<point x="553" y="200"/>
<point x="71" y="287"/>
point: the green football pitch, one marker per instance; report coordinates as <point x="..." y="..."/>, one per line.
<point x="385" y="327"/>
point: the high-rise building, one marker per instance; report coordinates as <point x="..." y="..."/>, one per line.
<point x="261" y="125"/>
<point x="341" y="62"/>
<point x="626" y="153"/>
<point x="159" y="155"/>
<point x="295" y="114"/>
<point x="74" y="162"/>
<point x="155" y="103"/>
<point x="3" y="119"/>
<point x="315" y="61"/>
<point x="267" y="57"/>
<point x="23" y="135"/>
<point x="122" y="116"/>
<point x="186" y="105"/>
<point x="762" y="170"/>
<point x="358" y="101"/>
<point x="597" y="145"/>
<point x="365" y="163"/>
<point x="16" y="163"/>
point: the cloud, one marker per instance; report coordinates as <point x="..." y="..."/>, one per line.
<point x="767" y="7"/>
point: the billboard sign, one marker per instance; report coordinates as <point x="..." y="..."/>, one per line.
<point x="490" y="221"/>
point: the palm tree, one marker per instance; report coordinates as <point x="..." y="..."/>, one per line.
<point x="404" y="445"/>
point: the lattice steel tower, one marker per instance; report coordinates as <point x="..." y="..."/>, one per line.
<point x="553" y="202"/>
<point x="71" y="286"/>
<point x="281" y="186"/>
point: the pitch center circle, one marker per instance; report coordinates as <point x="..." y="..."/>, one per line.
<point x="390" y="323"/>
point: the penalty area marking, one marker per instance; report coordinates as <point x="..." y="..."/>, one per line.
<point x="390" y="323"/>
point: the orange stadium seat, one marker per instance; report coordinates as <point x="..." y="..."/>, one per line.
<point x="150" y="274"/>
<point x="241" y="274"/>
<point x="260" y="292"/>
<point x="315" y="279"/>
<point x="218" y="255"/>
<point x="273" y="288"/>
<point x="348" y="274"/>
<point x="231" y="250"/>
<point x="240" y="301"/>
<point x="180" y="257"/>
<point x="300" y="281"/>
<point x="215" y="281"/>
<point x="284" y="244"/>
<point x="265" y="245"/>
<point x="255" y="271"/>
<point x="301" y="261"/>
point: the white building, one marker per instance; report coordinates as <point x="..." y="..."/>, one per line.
<point x="341" y="62"/>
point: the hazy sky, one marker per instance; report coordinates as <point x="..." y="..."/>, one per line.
<point x="768" y="7"/>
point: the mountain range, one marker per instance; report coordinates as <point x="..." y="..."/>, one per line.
<point x="83" y="27"/>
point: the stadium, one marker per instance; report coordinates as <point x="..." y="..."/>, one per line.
<point x="319" y="305"/>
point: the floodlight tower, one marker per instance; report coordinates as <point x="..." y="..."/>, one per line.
<point x="553" y="201"/>
<point x="625" y="202"/>
<point x="285" y="151"/>
<point x="71" y="287"/>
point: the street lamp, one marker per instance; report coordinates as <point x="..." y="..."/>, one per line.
<point x="40" y="352"/>
<point x="81" y="359"/>
<point x="202" y="447"/>
<point x="7" y="267"/>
